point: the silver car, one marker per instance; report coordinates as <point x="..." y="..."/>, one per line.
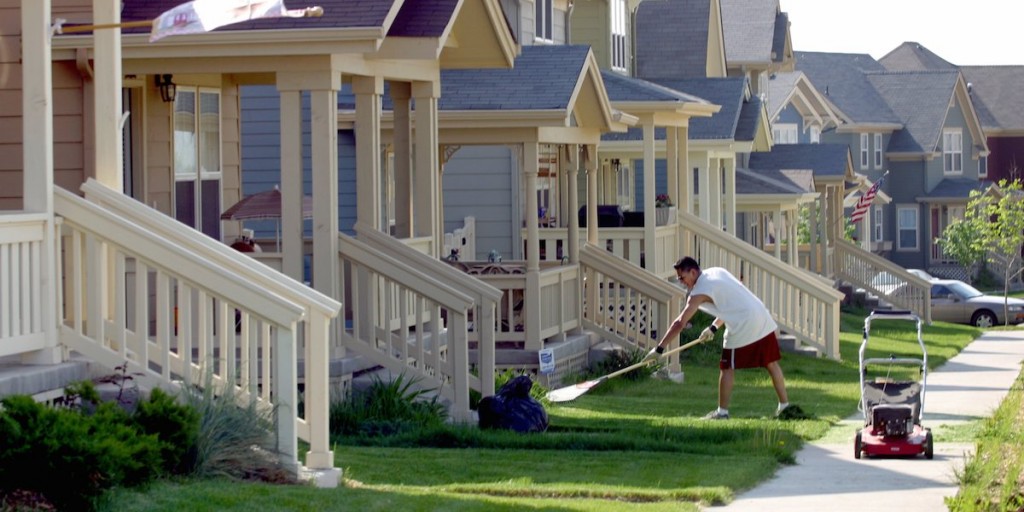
<point x="958" y="302"/>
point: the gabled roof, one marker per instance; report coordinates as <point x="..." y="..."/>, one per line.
<point x="954" y="189"/>
<point x="830" y="162"/>
<point x="774" y="181"/>
<point x="624" y="88"/>
<point x="750" y="119"/>
<point x="841" y="78"/>
<point x="911" y="56"/>
<point x="998" y="97"/>
<point x="921" y="99"/>
<point x="751" y="31"/>
<point x="730" y="93"/>
<point x="673" y="38"/>
<point x="793" y="88"/>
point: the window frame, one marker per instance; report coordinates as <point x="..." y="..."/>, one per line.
<point x="201" y="174"/>
<point x="815" y="134"/>
<point x="865" y="148"/>
<point x="786" y="133"/>
<point x="878" y="150"/>
<point x="900" y="228"/>
<point x="543" y="23"/>
<point x="619" y="54"/>
<point x="952" y="151"/>
<point x="877" y="232"/>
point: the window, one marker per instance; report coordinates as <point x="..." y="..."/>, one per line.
<point x="619" y="17"/>
<point x="864" y="151"/>
<point x="952" y="151"/>
<point x="544" y="13"/>
<point x="815" y="135"/>
<point x="197" y="165"/>
<point x="878" y="223"/>
<point x="785" y="133"/>
<point x="907" y="228"/>
<point x="982" y="167"/>
<point x="878" y="151"/>
<point x="624" y="185"/>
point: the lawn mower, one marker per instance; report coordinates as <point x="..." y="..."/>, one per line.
<point x="892" y="408"/>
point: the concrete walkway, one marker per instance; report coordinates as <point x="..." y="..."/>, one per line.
<point x="827" y="477"/>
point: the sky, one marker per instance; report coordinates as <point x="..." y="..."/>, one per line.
<point x="963" y="32"/>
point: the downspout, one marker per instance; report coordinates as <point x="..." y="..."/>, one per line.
<point x="568" y="22"/>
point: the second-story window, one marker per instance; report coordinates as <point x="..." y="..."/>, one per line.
<point x="785" y="133"/>
<point x="544" y="14"/>
<point x="864" y="150"/>
<point x="815" y="135"/>
<point x="619" y="52"/>
<point x="877" y="219"/>
<point x="952" y="151"/>
<point x="878" y="151"/>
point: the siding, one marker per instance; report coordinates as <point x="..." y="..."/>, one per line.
<point x="479" y="181"/>
<point x="590" y="26"/>
<point x="660" y="181"/>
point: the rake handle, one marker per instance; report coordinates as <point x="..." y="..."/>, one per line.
<point x="641" y="364"/>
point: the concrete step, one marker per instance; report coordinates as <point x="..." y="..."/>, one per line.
<point x="790" y="344"/>
<point x="40" y="380"/>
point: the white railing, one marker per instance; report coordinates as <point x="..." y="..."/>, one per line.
<point x="21" y="272"/>
<point x="462" y="240"/>
<point x="884" y="278"/>
<point x="803" y="304"/>
<point x="431" y="339"/>
<point x="224" y="303"/>
<point x="423" y="244"/>
<point x="625" y="243"/>
<point x="556" y="296"/>
<point x="624" y="303"/>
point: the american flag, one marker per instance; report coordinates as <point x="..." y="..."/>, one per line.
<point x="201" y="16"/>
<point x="864" y="203"/>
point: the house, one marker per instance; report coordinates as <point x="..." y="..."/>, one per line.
<point x="169" y="298"/>
<point x="921" y="127"/>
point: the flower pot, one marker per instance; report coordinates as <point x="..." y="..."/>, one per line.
<point x="664" y="215"/>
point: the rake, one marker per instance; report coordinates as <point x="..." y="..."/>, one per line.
<point x="569" y="393"/>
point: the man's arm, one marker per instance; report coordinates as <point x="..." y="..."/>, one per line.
<point x="692" y="305"/>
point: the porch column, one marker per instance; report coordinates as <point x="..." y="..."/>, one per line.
<point x="572" y="174"/>
<point x="324" y="129"/>
<point x="714" y="194"/>
<point x="37" y="156"/>
<point x="837" y="227"/>
<point x="704" y="196"/>
<point x="531" y="304"/>
<point x="401" y="92"/>
<point x="649" y="192"/>
<point x="590" y="153"/>
<point x="291" y="175"/>
<point x="107" y="93"/>
<point x="814" y="218"/>
<point x="730" y="195"/>
<point x="428" y="202"/>
<point x="368" y="90"/>
<point x="792" y="219"/>
<point x="777" y="226"/>
<point x="672" y="164"/>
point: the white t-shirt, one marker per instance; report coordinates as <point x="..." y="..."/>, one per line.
<point x="746" y="318"/>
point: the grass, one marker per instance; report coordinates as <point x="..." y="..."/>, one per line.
<point x="993" y="478"/>
<point x="625" y="445"/>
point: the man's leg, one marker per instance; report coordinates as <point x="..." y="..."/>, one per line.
<point x="778" y="381"/>
<point x="725" y="380"/>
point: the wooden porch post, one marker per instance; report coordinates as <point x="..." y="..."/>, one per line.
<point x="401" y="92"/>
<point x="793" y="218"/>
<point x="730" y="195"/>
<point x="291" y="175"/>
<point x="324" y="128"/>
<point x="531" y="304"/>
<point x="368" y="90"/>
<point x="672" y="165"/>
<point x="590" y="153"/>
<point x="684" y="192"/>
<point x="37" y="156"/>
<point x="777" y="226"/>
<point x="715" y="192"/>
<point x="704" y="198"/>
<point x="107" y="79"/>
<point x="816" y="232"/>
<point x="574" y="205"/>
<point x="649" y="192"/>
<point x="427" y="200"/>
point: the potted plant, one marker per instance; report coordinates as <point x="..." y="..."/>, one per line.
<point x="664" y="210"/>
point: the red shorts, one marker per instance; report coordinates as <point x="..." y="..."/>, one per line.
<point x="756" y="355"/>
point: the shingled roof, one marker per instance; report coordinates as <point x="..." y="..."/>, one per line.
<point x="624" y="88"/>
<point x="822" y="159"/>
<point x="997" y="95"/>
<point x="921" y="99"/>
<point x="750" y="27"/>
<point x="955" y="188"/>
<point x="842" y="79"/>
<point x="723" y="125"/>
<point x="672" y="39"/>
<point x="911" y="56"/>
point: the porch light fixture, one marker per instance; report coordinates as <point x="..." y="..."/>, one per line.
<point x="167" y="88"/>
<point x="616" y="164"/>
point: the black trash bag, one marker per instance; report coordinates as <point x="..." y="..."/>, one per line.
<point x="512" y="408"/>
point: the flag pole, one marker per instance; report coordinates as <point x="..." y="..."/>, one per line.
<point x="61" y="29"/>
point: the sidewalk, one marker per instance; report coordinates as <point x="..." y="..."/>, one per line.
<point x="827" y="477"/>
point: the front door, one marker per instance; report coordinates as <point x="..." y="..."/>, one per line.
<point x="197" y="159"/>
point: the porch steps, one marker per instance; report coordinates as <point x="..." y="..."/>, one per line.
<point x="790" y="344"/>
<point x="41" y="381"/>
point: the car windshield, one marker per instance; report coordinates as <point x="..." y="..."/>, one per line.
<point x="964" y="290"/>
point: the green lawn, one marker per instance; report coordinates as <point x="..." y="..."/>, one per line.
<point x="623" y="446"/>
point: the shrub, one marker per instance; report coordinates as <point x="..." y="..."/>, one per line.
<point x="176" y="427"/>
<point x="386" y="408"/>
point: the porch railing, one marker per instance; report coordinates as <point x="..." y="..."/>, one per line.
<point x="884" y="278"/>
<point x="431" y="287"/>
<point x="22" y="312"/>
<point x="462" y="240"/>
<point x="624" y="303"/>
<point x="803" y="304"/>
<point x="307" y="338"/>
<point x="625" y="243"/>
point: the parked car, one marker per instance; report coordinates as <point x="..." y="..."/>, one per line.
<point x="958" y="302"/>
<point x="921" y="273"/>
<point x="888" y="284"/>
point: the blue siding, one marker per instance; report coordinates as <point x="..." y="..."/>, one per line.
<point x="479" y="181"/>
<point x="660" y="181"/>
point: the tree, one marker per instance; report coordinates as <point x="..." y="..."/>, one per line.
<point x="993" y="226"/>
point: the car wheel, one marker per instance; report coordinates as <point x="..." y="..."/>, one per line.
<point x="983" y="319"/>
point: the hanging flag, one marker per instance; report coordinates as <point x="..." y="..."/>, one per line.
<point x="201" y="16"/>
<point x="865" y="200"/>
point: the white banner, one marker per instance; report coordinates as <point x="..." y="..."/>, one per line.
<point x="200" y="16"/>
